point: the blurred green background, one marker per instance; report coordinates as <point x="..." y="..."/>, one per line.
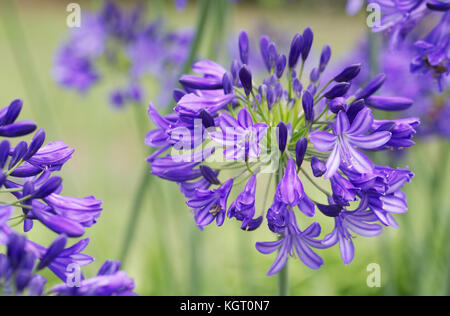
<point x="110" y="155"/>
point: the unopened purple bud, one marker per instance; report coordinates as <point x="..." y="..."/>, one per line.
<point x="308" y="106"/>
<point x="235" y="67"/>
<point x="13" y="112"/>
<point x="348" y="74"/>
<point x="293" y="74"/>
<point x="19" y="152"/>
<point x="314" y="75"/>
<point x="243" y="47"/>
<point x="297" y="86"/>
<point x="338" y="90"/>
<point x="4" y="152"/>
<point x="300" y="150"/>
<point x="282" y="133"/>
<point x="281" y="65"/>
<point x="354" y="108"/>
<point x="178" y="94"/>
<point x="270" y="96"/>
<point x="264" y="47"/>
<point x="295" y="51"/>
<point x="273" y="55"/>
<point x="336" y="105"/>
<point x="438" y="5"/>
<point x="209" y="174"/>
<point x="53" y="251"/>
<point x="48" y="188"/>
<point x="372" y="87"/>
<point x="117" y="99"/>
<point x="35" y="144"/>
<point x="389" y="103"/>
<point x="200" y="83"/>
<point x="246" y="79"/>
<point x="18" y="129"/>
<point x="312" y="88"/>
<point x="278" y="91"/>
<point x="318" y="167"/>
<point x="325" y="58"/>
<point x="207" y="119"/>
<point x="227" y="84"/>
<point x="308" y="37"/>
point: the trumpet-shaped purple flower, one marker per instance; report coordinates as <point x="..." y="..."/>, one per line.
<point x="239" y="136"/>
<point x="358" y="222"/>
<point x="210" y="205"/>
<point x="345" y="138"/>
<point x="294" y="242"/>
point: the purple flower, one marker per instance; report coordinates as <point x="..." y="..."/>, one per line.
<point x="239" y="136"/>
<point x="210" y="205"/>
<point x="345" y="136"/>
<point x="358" y="222"/>
<point x="290" y="191"/>
<point x="243" y="208"/>
<point x="293" y="242"/>
<point x="108" y="282"/>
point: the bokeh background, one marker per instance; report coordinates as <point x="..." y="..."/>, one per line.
<point x="110" y="157"/>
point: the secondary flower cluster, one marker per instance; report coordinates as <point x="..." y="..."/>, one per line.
<point x="431" y="107"/>
<point x="30" y="193"/>
<point x="400" y="18"/>
<point x="228" y="133"/>
<point x="126" y="44"/>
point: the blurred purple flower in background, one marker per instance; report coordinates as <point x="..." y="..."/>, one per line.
<point x="127" y="44"/>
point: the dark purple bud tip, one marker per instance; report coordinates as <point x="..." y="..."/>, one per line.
<point x="389" y="103"/>
<point x="308" y="37"/>
<point x="246" y="79"/>
<point x="318" y="167"/>
<point x="207" y="119"/>
<point x="18" y="129"/>
<point x="4" y="152"/>
<point x="300" y="150"/>
<point x="13" y="112"/>
<point x="35" y="144"/>
<point x="178" y="94"/>
<point x="348" y="74"/>
<point x="47" y="188"/>
<point x="438" y="5"/>
<point x="227" y="83"/>
<point x="339" y="90"/>
<point x="18" y="153"/>
<point x="209" y="174"/>
<point x="372" y="87"/>
<point x="336" y="105"/>
<point x="325" y="58"/>
<point x="264" y="47"/>
<point x="282" y="133"/>
<point x="308" y="106"/>
<point x="253" y="224"/>
<point x="281" y="65"/>
<point x="295" y="51"/>
<point x="314" y="75"/>
<point x="243" y="47"/>
<point x="330" y="210"/>
<point x="53" y="251"/>
<point x="273" y="55"/>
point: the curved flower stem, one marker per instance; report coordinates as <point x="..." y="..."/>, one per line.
<point x="328" y="194"/>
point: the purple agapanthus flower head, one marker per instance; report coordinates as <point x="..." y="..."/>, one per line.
<point x="27" y="175"/>
<point x="258" y="134"/>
